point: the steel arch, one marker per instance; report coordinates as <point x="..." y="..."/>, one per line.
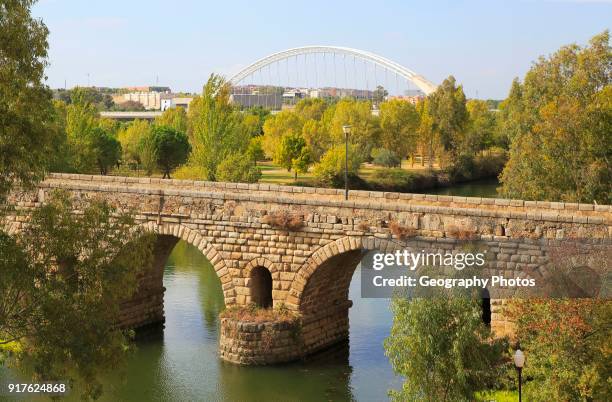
<point x="421" y="82"/>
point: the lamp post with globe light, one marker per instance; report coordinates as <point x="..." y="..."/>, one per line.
<point x="519" y="362"/>
<point x="346" y="129"/>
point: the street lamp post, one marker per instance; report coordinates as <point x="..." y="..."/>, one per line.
<point x="519" y="361"/>
<point x="347" y="130"/>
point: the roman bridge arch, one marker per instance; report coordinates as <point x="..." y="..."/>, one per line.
<point x="298" y="243"/>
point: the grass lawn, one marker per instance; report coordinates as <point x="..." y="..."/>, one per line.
<point x="272" y="173"/>
<point x="497" y="396"/>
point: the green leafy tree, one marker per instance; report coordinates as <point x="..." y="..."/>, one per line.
<point x="255" y="151"/>
<point x="480" y="133"/>
<point x="311" y="108"/>
<point x="301" y="162"/>
<point x="106" y="149"/>
<point x="567" y="344"/>
<point x="171" y="148"/>
<point x="379" y="94"/>
<point x="365" y="128"/>
<point x="560" y="131"/>
<point x="278" y="126"/>
<point x="129" y="106"/>
<point x="214" y="127"/>
<point x="428" y="140"/>
<point x="81" y="120"/>
<point x="62" y="283"/>
<point x="384" y="157"/>
<point x="399" y="121"/>
<point x="289" y="150"/>
<point x="130" y="138"/>
<point x="175" y="118"/>
<point x="238" y="169"/>
<point x="330" y="169"/>
<point x="147" y="152"/>
<point x="442" y="348"/>
<point x="25" y="101"/>
<point x="447" y="108"/>
<point x="255" y="127"/>
<point x="317" y="138"/>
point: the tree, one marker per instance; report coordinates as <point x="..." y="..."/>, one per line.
<point x="317" y="138"/>
<point x="81" y="120"/>
<point x="384" y="157"/>
<point x="442" y="348"/>
<point x="171" y="148"/>
<point x="560" y="130"/>
<point x="427" y="137"/>
<point x="214" y="127"/>
<point x="66" y="272"/>
<point x="175" y="118"/>
<point x="480" y="128"/>
<point x="449" y="116"/>
<point x="379" y="94"/>
<point x="130" y="138"/>
<point x="130" y="106"/>
<point x="278" y="126"/>
<point x="330" y="169"/>
<point x="25" y="101"/>
<point x="365" y="129"/>
<point x="311" y="108"/>
<point x="106" y="149"/>
<point x="238" y="169"/>
<point x="289" y="150"/>
<point x="567" y="342"/>
<point x="254" y="151"/>
<point x="399" y="121"/>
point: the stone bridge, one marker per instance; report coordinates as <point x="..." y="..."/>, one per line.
<point x="298" y="247"/>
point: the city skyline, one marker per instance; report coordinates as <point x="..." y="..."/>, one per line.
<point x="483" y="44"/>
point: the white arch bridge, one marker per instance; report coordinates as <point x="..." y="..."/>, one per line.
<point x="258" y="66"/>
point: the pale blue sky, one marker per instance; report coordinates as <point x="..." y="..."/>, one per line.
<point x="484" y="44"/>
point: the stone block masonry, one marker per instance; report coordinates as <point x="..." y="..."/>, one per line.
<point x="310" y="266"/>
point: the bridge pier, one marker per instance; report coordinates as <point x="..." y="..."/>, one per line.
<point x="146" y="307"/>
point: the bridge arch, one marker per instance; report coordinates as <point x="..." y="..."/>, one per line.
<point x="253" y="274"/>
<point x="182" y="232"/>
<point x="421" y="82"/>
<point x="348" y="247"/>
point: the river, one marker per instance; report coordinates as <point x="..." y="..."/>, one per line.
<point x="179" y="362"/>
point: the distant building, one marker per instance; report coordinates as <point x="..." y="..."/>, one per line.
<point x="270" y="101"/>
<point x="411" y="99"/>
<point x="169" y="100"/>
<point x="150" y="100"/>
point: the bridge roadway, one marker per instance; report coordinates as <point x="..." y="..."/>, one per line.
<point x="310" y="240"/>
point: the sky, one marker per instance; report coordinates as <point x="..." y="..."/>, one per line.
<point x="484" y="44"/>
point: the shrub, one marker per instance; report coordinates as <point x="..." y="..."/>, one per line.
<point x="401" y="232"/>
<point x="462" y="169"/>
<point x="384" y="157"/>
<point x="400" y="180"/>
<point x="238" y="168"/>
<point x="491" y="163"/>
<point x="442" y="349"/>
<point x="252" y="313"/>
<point x="461" y="233"/>
<point x="329" y="171"/>
<point x="284" y="220"/>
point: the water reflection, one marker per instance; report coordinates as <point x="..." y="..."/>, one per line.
<point x="179" y="362"/>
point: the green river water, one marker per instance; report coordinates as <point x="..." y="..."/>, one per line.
<point x="179" y="362"/>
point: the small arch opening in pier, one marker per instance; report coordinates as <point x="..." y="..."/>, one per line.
<point x="261" y="287"/>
